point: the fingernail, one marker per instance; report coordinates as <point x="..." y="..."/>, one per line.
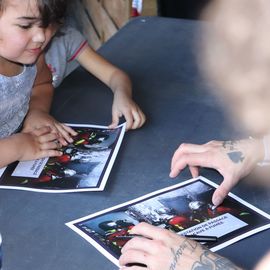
<point x="217" y="200"/>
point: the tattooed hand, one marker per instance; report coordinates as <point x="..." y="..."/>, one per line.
<point x="232" y="159"/>
<point x="160" y="249"/>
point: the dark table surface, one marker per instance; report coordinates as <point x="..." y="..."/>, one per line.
<point x="159" y="56"/>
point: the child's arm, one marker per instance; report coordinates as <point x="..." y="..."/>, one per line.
<point x="40" y="103"/>
<point x="120" y="84"/>
<point x="28" y="146"/>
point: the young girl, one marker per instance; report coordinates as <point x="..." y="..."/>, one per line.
<point x="26" y="27"/>
<point x="68" y="49"/>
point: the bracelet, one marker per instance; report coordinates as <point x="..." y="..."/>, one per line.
<point x="266" y="145"/>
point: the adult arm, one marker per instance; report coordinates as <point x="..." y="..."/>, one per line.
<point x="160" y="249"/>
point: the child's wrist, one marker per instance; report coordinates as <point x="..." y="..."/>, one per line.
<point x="16" y="145"/>
<point x="122" y="91"/>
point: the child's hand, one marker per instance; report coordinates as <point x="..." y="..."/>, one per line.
<point x="125" y="106"/>
<point x="39" y="143"/>
<point x="37" y="119"/>
<point x="120" y="84"/>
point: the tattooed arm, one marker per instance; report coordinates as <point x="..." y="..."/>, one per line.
<point x="232" y="159"/>
<point x="160" y="249"/>
<point x="210" y="260"/>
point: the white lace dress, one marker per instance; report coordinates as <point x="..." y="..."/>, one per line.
<point x="15" y="94"/>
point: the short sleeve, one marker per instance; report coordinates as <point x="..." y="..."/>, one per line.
<point x="74" y="42"/>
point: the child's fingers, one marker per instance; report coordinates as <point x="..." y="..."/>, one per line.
<point x="47" y="140"/>
<point x="129" y="119"/>
<point x="112" y="125"/>
<point x="135" y="118"/>
<point x="49" y="137"/>
<point x="40" y="131"/>
<point x="64" y="132"/>
<point x="115" y="120"/>
<point x="49" y="153"/>
<point x="138" y="119"/>
<point x="70" y="130"/>
<point x="143" y="117"/>
<point x="55" y="144"/>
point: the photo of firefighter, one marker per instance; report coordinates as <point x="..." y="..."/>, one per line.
<point x="82" y="164"/>
<point x="187" y="209"/>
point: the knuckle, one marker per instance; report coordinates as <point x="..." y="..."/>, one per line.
<point x="212" y="143"/>
<point x="165" y="234"/>
<point x="183" y="146"/>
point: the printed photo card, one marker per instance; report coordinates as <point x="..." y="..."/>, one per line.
<point x="185" y="208"/>
<point x="84" y="166"/>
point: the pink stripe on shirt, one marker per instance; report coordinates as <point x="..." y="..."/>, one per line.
<point x="78" y="51"/>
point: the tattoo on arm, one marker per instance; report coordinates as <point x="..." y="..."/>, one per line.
<point x="230" y="145"/>
<point x="236" y="157"/>
<point x="184" y="247"/>
<point x="212" y="261"/>
<point x="207" y="261"/>
<point x="233" y="153"/>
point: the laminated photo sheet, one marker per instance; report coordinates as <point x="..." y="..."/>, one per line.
<point x="84" y="166"/>
<point x="2" y="170"/>
<point x="185" y="208"/>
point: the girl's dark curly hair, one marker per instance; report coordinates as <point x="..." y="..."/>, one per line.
<point x="51" y="11"/>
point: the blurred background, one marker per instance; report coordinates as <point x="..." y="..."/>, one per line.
<point x="101" y="19"/>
